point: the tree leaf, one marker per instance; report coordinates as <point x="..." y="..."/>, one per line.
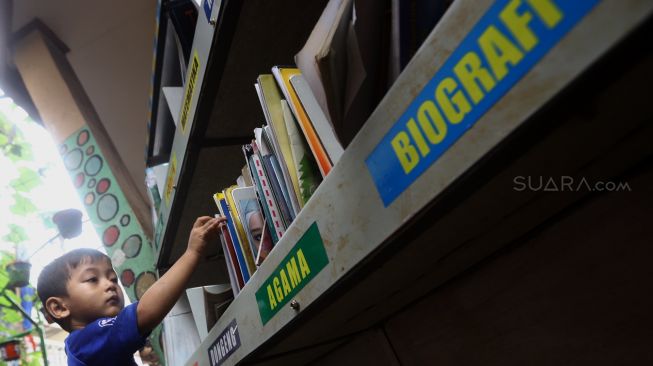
<point x="16" y="234"/>
<point x="27" y="180"/>
<point x="23" y="206"/>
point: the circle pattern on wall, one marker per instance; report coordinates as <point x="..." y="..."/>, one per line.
<point x="73" y="159"/>
<point x="82" y="137"/>
<point x="93" y="165"/>
<point x="79" y="180"/>
<point x="107" y="207"/>
<point x="132" y="246"/>
<point x="89" y="198"/>
<point x="91" y="183"/>
<point x="110" y="235"/>
<point x="127" y="277"/>
<point x="143" y="282"/>
<point x="103" y="186"/>
<point x="90" y="150"/>
<point x="125" y="219"/>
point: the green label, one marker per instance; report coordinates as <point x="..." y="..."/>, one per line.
<point x="295" y="271"/>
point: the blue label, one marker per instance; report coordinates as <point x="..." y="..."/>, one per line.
<point x="208" y="7"/>
<point x="500" y="49"/>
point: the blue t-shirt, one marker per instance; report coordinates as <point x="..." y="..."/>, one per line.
<point x="106" y="341"/>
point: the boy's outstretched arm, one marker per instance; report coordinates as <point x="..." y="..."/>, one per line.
<point x="157" y="301"/>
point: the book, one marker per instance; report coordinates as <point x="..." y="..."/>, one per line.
<point x="284" y="184"/>
<point x="221" y="202"/>
<point x="322" y="126"/>
<point x="282" y="75"/>
<point x="320" y="43"/>
<point x="270" y="99"/>
<point x="308" y="174"/>
<point x="268" y="200"/>
<point x="240" y="231"/>
<point x="345" y="62"/>
<point x="231" y="260"/>
<point x="276" y="184"/>
<point x="251" y="215"/>
<point x="248" y="151"/>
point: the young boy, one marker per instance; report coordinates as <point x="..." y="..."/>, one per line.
<point x="80" y="292"/>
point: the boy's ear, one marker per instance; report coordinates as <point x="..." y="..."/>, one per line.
<point x="57" y="308"/>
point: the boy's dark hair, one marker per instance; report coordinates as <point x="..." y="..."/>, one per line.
<point x="54" y="277"/>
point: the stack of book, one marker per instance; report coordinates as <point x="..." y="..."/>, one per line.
<point x="285" y="162"/>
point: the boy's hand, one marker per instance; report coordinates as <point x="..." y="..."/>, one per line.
<point x="204" y="230"/>
<point x="157" y="301"/>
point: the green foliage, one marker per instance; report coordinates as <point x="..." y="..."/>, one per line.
<point x="27" y="180"/>
<point x="16" y="234"/>
<point x="22" y="206"/>
<point x="16" y="148"/>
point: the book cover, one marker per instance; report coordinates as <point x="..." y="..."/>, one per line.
<point x="275" y="184"/>
<point x="284" y="184"/>
<point x="268" y="200"/>
<point x="251" y="215"/>
<point x="240" y="231"/>
<point x="248" y="150"/>
<point x="322" y="126"/>
<point x="282" y="75"/>
<point x="270" y="99"/>
<point x="308" y="173"/>
<point x="224" y="211"/>
<point x="233" y="268"/>
<point x="316" y="46"/>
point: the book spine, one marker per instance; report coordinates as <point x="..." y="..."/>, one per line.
<point x="277" y="193"/>
<point x="234" y="240"/>
<point x="277" y="225"/>
<point x="321" y="157"/>
<point x="240" y="231"/>
<point x="259" y="192"/>
<point x="235" y="277"/>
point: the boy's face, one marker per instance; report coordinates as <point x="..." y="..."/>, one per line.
<point x="93" y="292"/>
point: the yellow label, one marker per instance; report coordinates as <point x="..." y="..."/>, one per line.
<point x="191" y="81"/>
<point x="172" y="171"/>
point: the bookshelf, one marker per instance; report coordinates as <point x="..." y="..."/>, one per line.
<point x="461" y="208"/>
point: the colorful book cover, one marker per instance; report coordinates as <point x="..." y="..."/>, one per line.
<point x="235" y="277"/>
<point x="224" y="211"/>
<point x="270" y="99"/>
<point x="283" y="75"/>
<point x="253" y="220"/>
<point x="275" y="215"/>
<point x="249" y="157"/>
<point x="284" y="188"/>
<point x="308" y="173"/>
<point x="240" y="231"/>
<point x="322" y="126"/>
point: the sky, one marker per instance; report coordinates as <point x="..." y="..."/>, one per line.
<point x="56" y="193"/>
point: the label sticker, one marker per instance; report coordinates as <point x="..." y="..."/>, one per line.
<point x="510" y="38"/>
<point x="304" y="261"/>
<point x="225" y="345"/>
<point x="191" y="81"/>
<point x="172" y="171"/>
<point x="208" y="7"/>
